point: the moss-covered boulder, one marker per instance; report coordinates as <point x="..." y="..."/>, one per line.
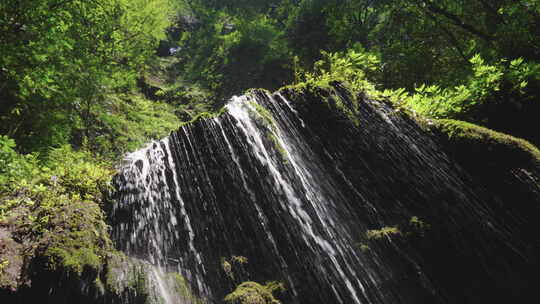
<point x="254" y="293"/>
<point x="60" y="259"/>
<point x="54" y="238"/>
<point x="77" y="241"/>
<point x="496" y="149"/>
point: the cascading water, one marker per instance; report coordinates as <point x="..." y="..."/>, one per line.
<point x="338" y="213"/>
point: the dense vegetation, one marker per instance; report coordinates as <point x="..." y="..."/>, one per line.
<point x="82" y="82"/>
<point x="69" y="105"/>
<point x="66" y="67"/>
<point x="88" y="73"/>
<point x="471" y="60"/>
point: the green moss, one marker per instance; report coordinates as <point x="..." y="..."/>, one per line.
<point x="239" y="259"/>
<point x="73" y="259"/>
<point x="253" y="91"/>
<point x="478" y="139"/>
<point x="230" y="265"/>
<point x="114" y="262"/>
<point x="386" y="231"/>
<point x="8" y="279"/>
<point x="78" y="240"/>
<point x="264" y="118"/>
<point x="347" y="105"/>
<point x="181" y="285"/>
<point x="263" y="115"/>
<point x="363" y="247"/>
<point x="227" y="268"/>
<point x="297" y="88"/>
<point x="126" y="276"/>
<point x="183" y="289"/>
<point x="486" y="145"/>
<point x="254" y="293"/>
<point x="282" y="152"/>
<point x="407" y="229"/>
<point x="4" y="263"/>
<point x="205" y="115"/>
<point x="139" y="284"/>
<point x="327" y="93"/>
<point x="418" y="223"/>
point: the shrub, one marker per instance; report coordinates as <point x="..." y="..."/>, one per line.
<point x="14" y="167"/>
<point x="501" y="82"/>
<point x="354" y="67"/>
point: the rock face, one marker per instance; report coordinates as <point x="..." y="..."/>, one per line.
<point x="342" y="199"/>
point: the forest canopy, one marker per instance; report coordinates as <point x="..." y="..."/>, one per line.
<point x="473" y="60"/>
<point x="60" y="59"/>
<point x="97" y="74"/>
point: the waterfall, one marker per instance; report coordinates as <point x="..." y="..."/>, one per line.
<point x="374" y="213"/>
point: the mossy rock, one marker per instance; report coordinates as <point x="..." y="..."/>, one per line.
<point x="69" y="250"/>
<point x="335" y="101"/>
<point x="77" y="240"/>
<point x="126" y="280"/>
<point x="183" y="290"/>
<point x="130" y="280"/>
<point x="254" y="293"/>
<point x="492" y="148"/>
<point x="204" y="115"/>
<point x="11" y="260"/>
<point x="263" y="116"/>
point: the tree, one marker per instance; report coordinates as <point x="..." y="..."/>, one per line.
<point x="59" y="56"/>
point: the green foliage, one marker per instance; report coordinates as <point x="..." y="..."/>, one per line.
<point x="13" y="166"/>
<point x="231" y="51"/>
<point x="129" y="122"/>
<point x="419" y="51"/>
<point x="255" y="293"/>
<point x="60" y="58"/>
<point x="353" y="67"/>
<point x="187" y="100"/>
<point x="78" y="172"/>
<point x="484" y="86"/>
<point x="65" y="175"/>
<point x="305" y="29"/>
<point x="205" y="115"/>
<point x="62" y="61"/>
